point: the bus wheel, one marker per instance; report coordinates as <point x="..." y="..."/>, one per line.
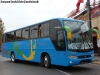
<point x="13" y="57"/>
<point x="47" y="62"/>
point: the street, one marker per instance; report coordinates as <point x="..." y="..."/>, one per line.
<point x="30" y="68"/>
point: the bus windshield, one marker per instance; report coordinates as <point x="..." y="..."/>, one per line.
<point x="81" y="40"/>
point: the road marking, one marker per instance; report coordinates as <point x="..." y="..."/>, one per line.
<point x="62" y="71"/>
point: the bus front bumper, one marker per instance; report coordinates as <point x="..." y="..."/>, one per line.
<point x="76" y="61"/>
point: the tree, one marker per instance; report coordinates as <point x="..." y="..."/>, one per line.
<point x="2" y="28"/>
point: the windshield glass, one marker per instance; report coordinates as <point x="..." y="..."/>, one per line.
<point x="81" y="39"/>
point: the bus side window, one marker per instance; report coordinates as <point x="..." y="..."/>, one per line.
<point x="25" y="33"/>
<point x="33" y="32"/>
<point x="45" y="30"/>
<point x="7" y="37"/>
<point x="12" y="36"/>
<point x="39" y="31"/>
<point x="18" y="35"/>
<point x="3" y="38"/>
<point x="60" y="39"/>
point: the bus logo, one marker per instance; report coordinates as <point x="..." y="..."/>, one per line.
<point x="58" y="27"/>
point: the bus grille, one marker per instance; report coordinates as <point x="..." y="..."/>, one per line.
<point x="84" y="56"/>
<point x="84" y="61"/>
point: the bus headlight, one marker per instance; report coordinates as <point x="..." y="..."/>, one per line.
<point x="92" y="54"/>
<point x="72" y="56"/>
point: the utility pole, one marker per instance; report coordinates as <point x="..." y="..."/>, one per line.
<point x="89" y="13"/>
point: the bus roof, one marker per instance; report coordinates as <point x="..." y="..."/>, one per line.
<point x="60" y="19"/>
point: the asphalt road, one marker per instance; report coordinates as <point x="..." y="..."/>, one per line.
<point x="29" y="68"/>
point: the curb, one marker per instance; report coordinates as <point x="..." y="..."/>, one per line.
<point x="96" y="62"/>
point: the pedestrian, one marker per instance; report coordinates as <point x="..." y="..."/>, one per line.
<point x="98" y="44"/>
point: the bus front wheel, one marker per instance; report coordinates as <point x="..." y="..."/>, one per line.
<point x="46" y="61"/>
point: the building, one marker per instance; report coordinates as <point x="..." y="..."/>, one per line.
<point x="95" y="20"/>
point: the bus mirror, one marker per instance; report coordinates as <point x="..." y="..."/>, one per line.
<point x="69" y="35"/>
<point x="68" y="31"/>
<point x="95" y="30"/>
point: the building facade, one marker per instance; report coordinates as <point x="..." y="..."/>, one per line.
<point x="95" y="21"/>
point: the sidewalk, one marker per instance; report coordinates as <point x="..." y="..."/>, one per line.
<point x="96" y="60"/>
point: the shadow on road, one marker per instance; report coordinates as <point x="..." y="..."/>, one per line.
<point x="25" y="63"/>
<point x="79" y="68"/>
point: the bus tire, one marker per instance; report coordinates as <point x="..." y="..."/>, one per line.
<point x="47" y="61"/>
<point x="13" y="58"/>
<point x="42" y="61"/>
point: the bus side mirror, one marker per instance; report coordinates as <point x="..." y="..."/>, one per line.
<point x="68" y="31"/>
<point x="95" y="30"/>
<point x="69" y="35"/>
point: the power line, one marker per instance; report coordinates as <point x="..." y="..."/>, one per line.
<point x="53" y="9"/>
<point x="44" y="9"/>
<point x="57" y="6"/>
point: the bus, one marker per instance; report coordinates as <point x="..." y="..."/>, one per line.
<point x="58" y="41"/>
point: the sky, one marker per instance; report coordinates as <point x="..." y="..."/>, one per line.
<point x="18" y="15"/>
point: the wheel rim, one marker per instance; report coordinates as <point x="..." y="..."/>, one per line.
<point x="12" y="58"/>
<point x="45" y="61"/>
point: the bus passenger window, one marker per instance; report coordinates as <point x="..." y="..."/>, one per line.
<point x="3" y="38"/>
<point x="39" y="31"/>
<point x="46" y="29"/>
<point x="25" y="33"/>
<point x="12" y="36"/>
<point x="33" y="32"/>
<point x="18" y="35"/>
<point x="8" y="37"/>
